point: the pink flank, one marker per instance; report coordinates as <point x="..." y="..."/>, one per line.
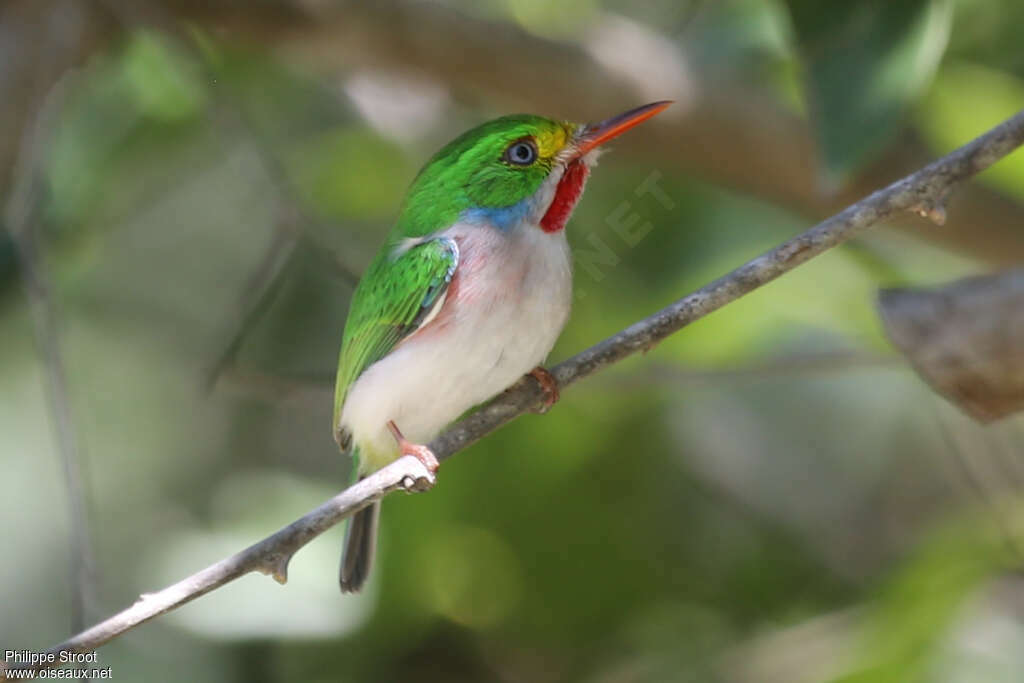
<point x="471" y="285"/>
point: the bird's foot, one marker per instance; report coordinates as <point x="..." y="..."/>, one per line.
<point x="416" y="450"/>
<point x="549" y="385"/>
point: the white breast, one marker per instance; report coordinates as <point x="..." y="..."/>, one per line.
<point x="508" y="303"/>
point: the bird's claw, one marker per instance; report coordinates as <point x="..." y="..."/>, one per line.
<point x="549" y="385"/>
<point x="418" y="451"/>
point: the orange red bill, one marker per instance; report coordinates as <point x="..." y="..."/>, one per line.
<point x="594" y="134"/>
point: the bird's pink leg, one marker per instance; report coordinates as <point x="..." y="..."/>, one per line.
<point x="418" y="451"/>
<point x="548" y="384"/>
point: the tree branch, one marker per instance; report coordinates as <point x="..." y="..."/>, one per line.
<point x="727" y="134"/>
<point x="21" y="217"/>
<point x="924" y="191"/>
<point x="758" y="147"/>
<point x="270" y="556"/>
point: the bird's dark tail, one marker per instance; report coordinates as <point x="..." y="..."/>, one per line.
<point x="360" y="546"/>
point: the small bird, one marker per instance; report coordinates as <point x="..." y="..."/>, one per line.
<point x="469" y="292"/>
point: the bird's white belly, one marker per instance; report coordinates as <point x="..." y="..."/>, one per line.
<point x="506" y="307"/>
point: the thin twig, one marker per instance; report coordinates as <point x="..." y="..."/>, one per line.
<point x="925" y="188"/>
<point x="299" y="219"/>
<point x="21" y="220"/>
<point x="278" y="386"/>
<point x="267" y="278"/>
<point x="759" y="148"/>
<point x="270" y="556"/>
<point x="260" y="291"/>
<point x="281" y="386"/>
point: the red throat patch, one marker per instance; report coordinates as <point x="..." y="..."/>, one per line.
<point x="568" y="192"/>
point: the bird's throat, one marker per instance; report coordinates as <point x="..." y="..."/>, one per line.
<point x="568" y="192"/>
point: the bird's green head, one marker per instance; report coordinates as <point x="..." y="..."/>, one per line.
<point x="520" y="169"/>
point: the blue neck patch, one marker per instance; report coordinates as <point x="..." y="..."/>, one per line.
<point x="501" y="217"/>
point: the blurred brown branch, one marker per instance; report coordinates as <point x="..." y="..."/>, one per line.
<point x="926" y="189"/>
<point x="270" y="556"/>
<point x="728" y="134"/>
<point x="41" y="42"/>
<point x="21" y="218"/>
<point x="276" y="387"/>
<point x="737" y="137"/>
<point x="263" y="286"/>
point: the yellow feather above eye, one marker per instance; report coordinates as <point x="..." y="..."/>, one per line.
<point x="550" y="142"/>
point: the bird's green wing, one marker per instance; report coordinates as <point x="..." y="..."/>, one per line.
<point x="394" y="297"/>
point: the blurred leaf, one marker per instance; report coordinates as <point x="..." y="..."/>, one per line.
<point x="276" y="102"/>
<point x="552" y="19"/>
<point x="964" y="338"/>
<point x="161" y="80"/>
<point x="472" y="577"/>
<point x="639" y="533"/>
<point x="988" y="32"/>
<point x="917" y="609"/>
<point x="946" y="120"/>
<point x="137" y="100"/>
<point x="794" y="311"/>
<point x="741" y="40"/>
<point x="331" y="170"/>
<point x="865" y="62"/>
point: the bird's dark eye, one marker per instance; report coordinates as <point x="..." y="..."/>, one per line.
<point x="521" y="152"/>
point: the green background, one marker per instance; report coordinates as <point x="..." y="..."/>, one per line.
<point x="769" y="495"/>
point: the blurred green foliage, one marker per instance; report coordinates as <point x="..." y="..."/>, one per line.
<point x="994" y="96"/>
<point x="865" y="63"/>
<point x="758" y="471"/>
